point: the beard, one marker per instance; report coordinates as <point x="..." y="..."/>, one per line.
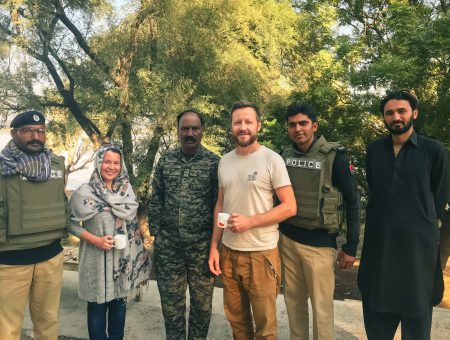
<point x="401" y="129"/>
<point x="246" y="143"/>
<point x="28" y="147"/>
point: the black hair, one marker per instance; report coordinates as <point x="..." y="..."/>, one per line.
<point x="306" y="109"/>
<point x="242" y="104"/>
<point x="400" y="95"/>
<point x="200" y="116"/>
<point x="115" y="150"/>
<point x="112" y="147"/>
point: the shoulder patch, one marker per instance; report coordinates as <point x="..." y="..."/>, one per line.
<point x="351" y="168"/>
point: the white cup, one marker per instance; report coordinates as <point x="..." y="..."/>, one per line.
<point x="120" y="241"/>
<point x="222" y="219"/>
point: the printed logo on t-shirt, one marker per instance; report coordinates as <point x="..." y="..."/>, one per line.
<point x="252" y="177"/>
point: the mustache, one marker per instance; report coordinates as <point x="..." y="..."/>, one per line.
<point x="35" y="141"/>
<point x="397" y="122"/>
<point x="190" y="139"/>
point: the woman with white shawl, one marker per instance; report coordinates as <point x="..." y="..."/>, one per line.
<point x="101" y="209"/>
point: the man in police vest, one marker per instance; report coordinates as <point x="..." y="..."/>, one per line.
<point x="323" y="184"/>
<point x="33" y="218"/>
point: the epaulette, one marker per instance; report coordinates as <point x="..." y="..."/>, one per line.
<point x="341" y="149"/>
<point x="328" y="147"/>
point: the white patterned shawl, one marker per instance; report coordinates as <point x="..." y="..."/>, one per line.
<point x="133" y="266"/>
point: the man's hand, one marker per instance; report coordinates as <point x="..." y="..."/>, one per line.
<point x="239" y="223"/>
<point x="345" y="261"/>
<point x="104" y="242"/>
<point x="213" y="262"/>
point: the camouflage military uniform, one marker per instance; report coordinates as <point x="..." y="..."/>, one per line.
<point x="181" y="218"/>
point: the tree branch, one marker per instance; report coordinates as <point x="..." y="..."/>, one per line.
<point x="64" y="68"/>
<point x="53" y="104"/>
<point x="61" y="14"/>
<point x="72" y="167"/>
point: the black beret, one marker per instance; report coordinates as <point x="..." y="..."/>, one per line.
<point x="28" y="118"/>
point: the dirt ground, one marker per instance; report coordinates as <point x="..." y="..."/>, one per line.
<point x="346" y="287"/>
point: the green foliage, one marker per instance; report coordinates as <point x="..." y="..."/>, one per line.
<point x="166" y="56"/>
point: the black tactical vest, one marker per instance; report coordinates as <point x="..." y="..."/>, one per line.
<point x="319" y="204"/>
<point x="33" y="214"/>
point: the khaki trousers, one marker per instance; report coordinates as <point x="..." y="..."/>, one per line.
<point x="251" y="282"/>
<point x="308" y="272"/>
<point x="40" y="284"/>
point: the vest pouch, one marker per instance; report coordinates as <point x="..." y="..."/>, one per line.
<point x="39" y="238"/>
<point x="2" y="221"/>
<point x="330" y="211"/>
<point x="35" y="208"/>
<point x="40" y="218"/>
<point x="307" y="204"/>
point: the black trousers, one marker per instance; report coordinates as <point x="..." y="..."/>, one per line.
<point x="382" y="326"/>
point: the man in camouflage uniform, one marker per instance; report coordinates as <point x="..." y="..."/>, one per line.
<point x="181" y="219"/>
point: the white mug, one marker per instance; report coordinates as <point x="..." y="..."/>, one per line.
<point x="120" y="241"/>
<point x="222" y="219"/>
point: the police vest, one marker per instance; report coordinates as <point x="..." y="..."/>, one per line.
<point x="319" y="204"/>
<point x="33" y="214"/>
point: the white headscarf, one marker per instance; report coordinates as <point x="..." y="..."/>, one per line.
<point x="95" y="197"/>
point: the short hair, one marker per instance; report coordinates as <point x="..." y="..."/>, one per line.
<point x="400" y="95"/>
<point x="112" y="147"/>
<point x="200" y="116"/>
<point x="115" y="150"/>
<point x="242" y="104"/>
<point x="306" y="109"/>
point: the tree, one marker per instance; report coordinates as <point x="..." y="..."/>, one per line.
<point x="365" y="48"/>
<point x="126" y="82"/>
<point x="402" y="44"/>
<point x="126" y="79"/>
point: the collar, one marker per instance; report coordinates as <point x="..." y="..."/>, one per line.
<point x="296" y="150"/>
<point x="413" y="139"/>
<point x="187" y="158"/>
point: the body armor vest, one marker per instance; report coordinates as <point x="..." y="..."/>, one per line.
<point x="319" y="204"/>
<point x="33" y="214"/>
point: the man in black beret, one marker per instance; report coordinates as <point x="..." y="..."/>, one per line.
<point x="33" y="217"/>
<point x="23" y="127"/>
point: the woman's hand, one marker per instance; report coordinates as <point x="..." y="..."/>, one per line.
<point x="104" y="242"/>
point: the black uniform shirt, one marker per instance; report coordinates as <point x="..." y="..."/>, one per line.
<point x="343" y="179"/>
<point x="32" y="255"/>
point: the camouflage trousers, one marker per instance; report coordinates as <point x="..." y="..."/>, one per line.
<point x="176" y="266"/>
